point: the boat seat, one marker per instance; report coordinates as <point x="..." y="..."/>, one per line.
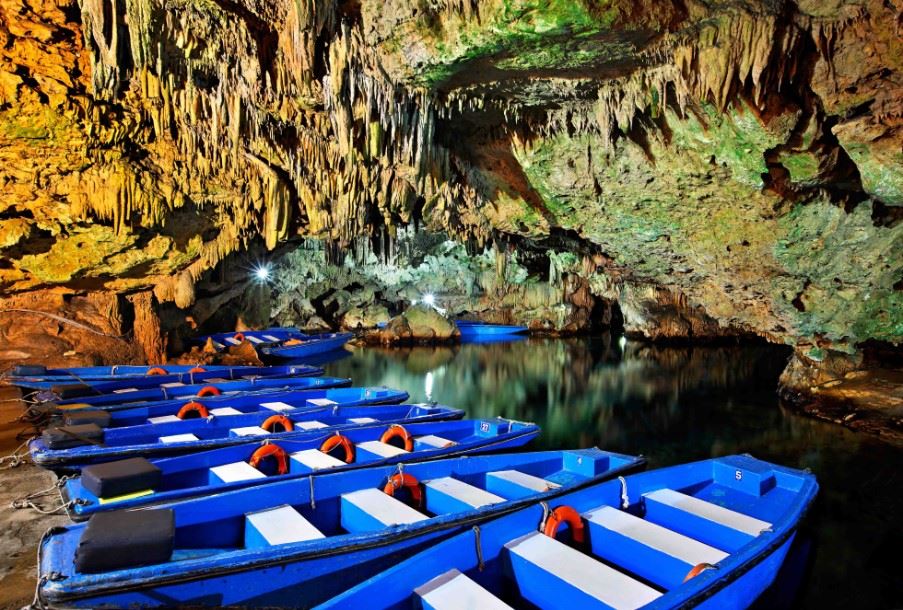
<point x="125" y="390"/>
<point x="551" y="574"/>
<point x="362" y="420"/>
<point x="310" y="425"/>
<point x="101" y="419"/>
<point x="271" y="338"/>
<point x="312" y="459"/>
<point x="216" y="380"/>
<point x="517" y="484"/>
<point x="225" y="411"/>
<point x="377" y="450"/>
<point x="233" y="341"/>
<point x="247" y="431"/>
<point x="122" y="539"/>
<point x="434" y="442"/>
<point x="174" y="384"/>
<point x="178" y="438"/>
<point x="277" y="406"/>
<point x="234" y="472"/>
<point x="321" y="402"/>
<point x="449" y="495"/>
<point x="254" y="339"/>
<point x="368" y="510"/>
<point x="656" y="553"/>
<point x="280" y="525"/>
<point x="705" y="521"/>
<point x="112" y="479"/>
<point x="218" y="345"/>
<point x="454" y="591"/>
<point x="250" y="377"/>
<point x="163" y="419"/>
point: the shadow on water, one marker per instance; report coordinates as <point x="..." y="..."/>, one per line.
<point x="675" y="404"/>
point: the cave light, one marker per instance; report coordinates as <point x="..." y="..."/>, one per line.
<point x="622" y="342"/>
<point x="430" y="299"/>
<point x="262" y="272"/>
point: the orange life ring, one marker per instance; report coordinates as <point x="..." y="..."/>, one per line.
<point x="565" y="514"/>
<point x="291" y="342"/>
<point x="197" y="369"/>
<point x="239" y="336"/>
<point x="278" y="420"/>
<point x="192" y="407"/>
<point x="336" y="441"/>
<point x="209" y="390"/>
<point x="398" y="431"/>
<point x="270" y="450"/>
<point x="698" y="569"/>
<point x="157" y="371"/>
<point x="409" y="483"/>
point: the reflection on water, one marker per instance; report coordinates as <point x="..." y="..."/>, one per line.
<point x="674" y="404"/>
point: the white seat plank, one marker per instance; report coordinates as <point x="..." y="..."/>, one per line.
<point x="225" y="411"/>
<point x="283" y="525"/>
<point x="362" y="420"/>
<point x="711" y="512"/>
<point x="466" y="493"/>
<point x="276" y="406"/>
<point x="455" y="591"/>
<point x="381" y="449"/>
<point x="310" y="425"/>
<point x="316" y="459"/>
<point x="525" y="480"/>
<point x="321" y="402"/>
<point x="163" y="419"/>
<point x="383" y="507"/>
<point x="655" y="536"/>
<point x="178" y="438"/>
<point x="236" y="471"/>
<point x="248" y="431"/>
<point x="435" y="441"/>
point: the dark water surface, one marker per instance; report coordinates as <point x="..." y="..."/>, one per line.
<point x="676" y="404"/>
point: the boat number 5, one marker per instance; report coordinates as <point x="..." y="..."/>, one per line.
<point x="738" y="475"/>
<point x="484" y="426"/>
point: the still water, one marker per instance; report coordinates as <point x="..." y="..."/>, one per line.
<point x="675" y="404"/>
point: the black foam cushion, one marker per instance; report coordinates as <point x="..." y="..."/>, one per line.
<point x="120" y="477"/>
<point x="64" y="437"/>
<point x="125" y="539"/>
<point x="87" y="416"/>
<point x="71" y="390"/>
<point x="27" y="370"/>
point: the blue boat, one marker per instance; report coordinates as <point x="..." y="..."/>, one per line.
<point x="161" y="377"/>
<point x="24" y="372"/>
<point x="141" y="482"/>
<point x="310" y="346"/>
<point x="131" y="395"/>
<point x="297" y="542"/>
<point x="711" y="534"/>
<point x="71" y="447"/>
<point x="257" y="337"/>
<point x="327" y="395"/>
<point x="471" y="328"/>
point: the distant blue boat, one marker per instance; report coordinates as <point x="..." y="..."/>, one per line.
<point x="298" y="542"/>
<point x="471" y="328"/>
<point x="311" y="346"/>
<point x="22" y="373"/>
<point x="71" y="447"/>
<point x="712" y="534"/>
<point x="327" y="395"/>
<point x="266" y="336"/>
<point x="140" y="482"/>
<point x="129" y="395"/>
<point x="162" y="377"/>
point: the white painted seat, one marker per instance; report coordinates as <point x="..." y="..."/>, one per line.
<point x="455" y="591"/>
<point x="310" y="425"/>
<point x="593" y="578"/>
<point x="233" y="341"/>
<point x="174" y="384"/>
<point x="321" y="402"/>
<point x="276" y="406"/>
<point x="162" y="419"/>
<point x="254" y="339"/>
<point x="464" y="492"/>
<point x="283" y="525"/>
<point x="125" y="390"/>
<point x="525" y="480"/>
<point x="236" y="471"/>
<point x="383" y="507"/>
<point x="316" y="459"/>
<point x="655" y="536"/>
<point x="217" y="380"/>
<point x="381" y="449"/>
<point x="248" y="431"/>
<point x="362" y="420"/>
<point x="224" y="411"/>
<point x="178" y="438"/>
<point x="250" y="377"/>
<point x="435" y="441"/>
<point x="271" y="338"/>
<point x="218" y="345"/>
<point x="710" y="512"/>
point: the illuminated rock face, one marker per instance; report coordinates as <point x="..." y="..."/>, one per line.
<point x="716" y="168"/>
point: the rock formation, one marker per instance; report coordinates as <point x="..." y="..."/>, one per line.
<point x="715" y="168"/>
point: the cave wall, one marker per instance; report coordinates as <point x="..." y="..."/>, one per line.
<point x="720" y="168"/>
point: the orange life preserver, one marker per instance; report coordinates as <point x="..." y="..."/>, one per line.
<point x="698" y="569"/>
<point x="157" y="371"/>
<point x="209" y="390"/>
<point x="278" y="420"/>
<point x="398" y="431"/>
<point x="291" y="342"/>
<point x="565" y="514"/>
<point x="336" y="441"/>
<point x="270" y="450"/>
<point x="197" y="369"/>
<point x="239" y="336"/>
<point x="192" y="407"/>
<point x="409" y="483"/>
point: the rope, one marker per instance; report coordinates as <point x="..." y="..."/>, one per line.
<point x="313" y="502"/>
<point x="479" y="547"/>
<point x="29" y="500"/>
<point x="545" y="515"/>
<point x="625" y="500"/>
<point x="16" y="458"/>
<point x="63" y="320"/>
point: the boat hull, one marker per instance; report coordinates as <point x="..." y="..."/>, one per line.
<point x="311" y="347"/>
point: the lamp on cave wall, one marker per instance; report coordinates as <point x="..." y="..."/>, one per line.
<point x="429" y="299"/>
<point x="262" y="273"/>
